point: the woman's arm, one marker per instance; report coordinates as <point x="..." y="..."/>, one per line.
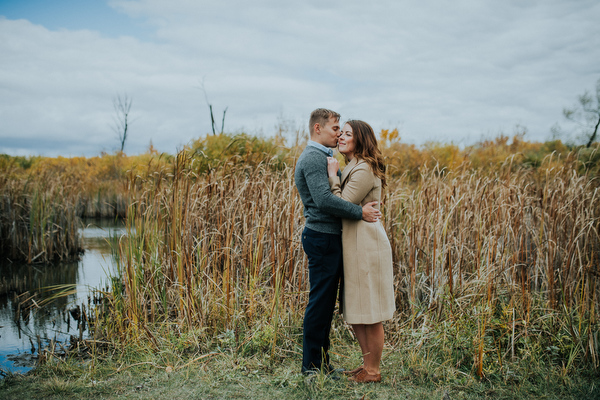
<point x="358" y="184"/>
<point x="334" y="185"/>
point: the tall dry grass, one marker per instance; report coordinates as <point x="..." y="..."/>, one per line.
<point x="511" y="257"/>
<point x="495" y="249"/>
<point x="98" y="183"/>
<point x="490" y="268"/>
<point x="42" y="199"/>
<point x="216" y="250"/>
<point x="38" y="220"/>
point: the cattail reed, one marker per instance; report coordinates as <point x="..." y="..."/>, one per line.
<point x="38" y="220"/>
<point x="494" y="254"/>
<point x="506" y="250"/>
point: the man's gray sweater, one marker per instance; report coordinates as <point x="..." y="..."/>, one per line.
<point x="322" y="209"/>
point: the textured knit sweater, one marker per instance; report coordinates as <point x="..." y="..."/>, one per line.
<point x="322" y="210"/>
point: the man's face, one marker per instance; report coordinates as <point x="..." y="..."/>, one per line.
<point x="330" y="132"/>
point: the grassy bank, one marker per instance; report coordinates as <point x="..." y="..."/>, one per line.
<point x="178" y="370"/>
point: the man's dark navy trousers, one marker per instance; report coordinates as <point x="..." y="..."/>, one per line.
<point x="324" y="252"/>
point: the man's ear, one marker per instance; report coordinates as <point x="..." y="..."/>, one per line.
<point x="317" y="128"/>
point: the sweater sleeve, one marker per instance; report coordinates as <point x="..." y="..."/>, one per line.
<point x="315" y="172"/>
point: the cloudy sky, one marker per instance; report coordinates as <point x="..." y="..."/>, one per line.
<point x="450" y="71"/>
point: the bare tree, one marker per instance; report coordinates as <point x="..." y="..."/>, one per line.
<point x="586" y="114"/>
<point x="122" y="106"/>
<point x="212" y="117"/>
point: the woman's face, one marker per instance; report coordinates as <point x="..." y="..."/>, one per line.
<point x="346" y="141"/>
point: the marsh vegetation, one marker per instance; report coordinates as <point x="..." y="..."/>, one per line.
<point x="496" y="256"/>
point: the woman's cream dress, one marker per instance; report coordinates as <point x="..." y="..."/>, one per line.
<point x="368" y="294"/>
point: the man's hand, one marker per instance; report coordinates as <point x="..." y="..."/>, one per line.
<point x="369" y="213"/>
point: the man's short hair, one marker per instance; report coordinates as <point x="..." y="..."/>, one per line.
<point x="320" y="116"/>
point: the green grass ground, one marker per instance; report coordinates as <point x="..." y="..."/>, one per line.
<point x="136" y="374"/>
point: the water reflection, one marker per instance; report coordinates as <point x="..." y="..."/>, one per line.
<point x="24" y="328"/>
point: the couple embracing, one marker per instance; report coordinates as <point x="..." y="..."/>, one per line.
<point x="344" y="239"/>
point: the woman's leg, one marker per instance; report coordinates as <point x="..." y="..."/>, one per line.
<point x="370" y="338"/>
<point x="374" y="340"/>
<point x="361" y="336"/>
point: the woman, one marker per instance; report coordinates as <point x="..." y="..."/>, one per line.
<point x="368" y="294"/>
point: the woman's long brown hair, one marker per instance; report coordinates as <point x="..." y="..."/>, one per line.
<point x="365" y="148"/>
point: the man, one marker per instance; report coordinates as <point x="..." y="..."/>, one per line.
<point x="321" y="238"/>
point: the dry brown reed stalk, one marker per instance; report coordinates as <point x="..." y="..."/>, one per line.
<point x="98" y="182"/>
<point x="38" y="220"/>
<point x="219" y="249"/>
<point x="494" y="258"/>
<point x="507" y="249"/>
<point x="106" y="200"/>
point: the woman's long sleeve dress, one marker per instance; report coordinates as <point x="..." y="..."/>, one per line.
<point x="368" y="292"/>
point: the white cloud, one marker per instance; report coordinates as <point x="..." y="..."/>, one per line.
<point x="440" y="70"/>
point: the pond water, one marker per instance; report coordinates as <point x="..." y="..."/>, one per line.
<point x="21" y="336"/>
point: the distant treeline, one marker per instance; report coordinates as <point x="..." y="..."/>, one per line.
<point x="95" y="173"/>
